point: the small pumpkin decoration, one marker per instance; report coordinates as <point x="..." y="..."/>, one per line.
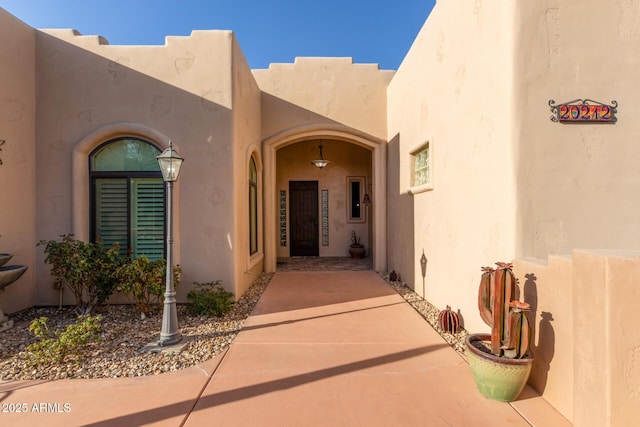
<point x="449" y="321"/>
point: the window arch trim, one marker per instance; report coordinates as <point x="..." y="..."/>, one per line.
<point x="254" y="258"/>
<point x="80" y="183"/>
<point x="127" y="196"/>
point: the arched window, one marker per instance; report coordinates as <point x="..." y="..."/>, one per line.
<point x="253" y="207"/>
<point x="127" y="197"/>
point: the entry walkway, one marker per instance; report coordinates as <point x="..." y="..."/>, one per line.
<point x="321" y="348"/>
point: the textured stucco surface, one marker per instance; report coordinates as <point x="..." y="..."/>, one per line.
<point x="347" y="160"/>
<point x="329" y="99"/>
<point x="324" y="90"/>
<point x="179" y="91"/>
<point x="246" y="137"/>
<point x="549" y="289"/>
<point x="475" y="85"/>
<point x="575" y="181"/>
<point x="17" y="171"/>
<point x="453" y="90"/>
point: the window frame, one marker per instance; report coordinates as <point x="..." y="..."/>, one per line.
<point x="129" y="176"/>
<point x="254" y="247"/>
<point x="427" y="186"/>
<point x="362" y="218"/>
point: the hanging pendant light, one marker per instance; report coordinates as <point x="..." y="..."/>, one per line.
<point x="321" y="162"/>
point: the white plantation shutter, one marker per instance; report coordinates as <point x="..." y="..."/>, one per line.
<point x="147" y="217"/>
<point x="111" y="211"/>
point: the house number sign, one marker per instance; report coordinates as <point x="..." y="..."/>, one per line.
<point x="583" y="111"/>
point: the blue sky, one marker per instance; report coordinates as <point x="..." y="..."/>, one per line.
<point x="375" y="31"/>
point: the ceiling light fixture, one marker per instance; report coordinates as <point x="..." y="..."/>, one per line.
<point x="321" y="162"/>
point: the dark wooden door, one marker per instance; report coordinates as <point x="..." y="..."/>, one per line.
<point x="303" y="218"/>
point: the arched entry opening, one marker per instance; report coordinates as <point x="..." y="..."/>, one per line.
<point x="357" y="168"/>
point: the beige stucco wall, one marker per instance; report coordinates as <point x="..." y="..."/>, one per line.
<point x="347" y="160"/>
<point x="325" y="99"/>
<point x="247" y="143"/>
<point x="587" y="345"/>
<point x="548" y="287"/>
<point x="611" y="313"/>
<point x="453" y="90"/>
<point x="324" y="90"/>
<point x="510" y="182"/>
<point x="89" y="92"/>
<point x="17" y="171"/>
<point x="577" y="182"/>
<point x="575" y="190"/>
<point x="475" y="85"/>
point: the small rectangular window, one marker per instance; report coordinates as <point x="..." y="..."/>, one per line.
<point x="421" y="169"/>
<point x="355" y="193"/>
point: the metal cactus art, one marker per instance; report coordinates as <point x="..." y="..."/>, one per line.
<point x="510" y="331"/>
<point x="449" y="321"/>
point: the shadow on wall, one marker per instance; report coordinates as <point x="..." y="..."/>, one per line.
<point x="401" y="222"/>
<point x="279" y="115"/>
<point x="544" y="347"/>
<point x="68" y="116"/>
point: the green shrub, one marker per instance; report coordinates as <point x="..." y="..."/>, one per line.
<point x="143" y="281"/>
<point x="210" y="299"/>
<point x="85" y="268"/>
<point x="53" y="346"/>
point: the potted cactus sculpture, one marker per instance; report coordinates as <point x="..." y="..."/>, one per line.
<point x="500" y="362"/>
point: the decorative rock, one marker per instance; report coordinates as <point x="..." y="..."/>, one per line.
<point x="430" y="314"/>
<point x="123" y="333"/>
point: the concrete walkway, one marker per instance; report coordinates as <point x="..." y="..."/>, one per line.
<point x="320" y="349"/>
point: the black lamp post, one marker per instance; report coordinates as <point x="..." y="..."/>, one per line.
<point x="170" y="162"/>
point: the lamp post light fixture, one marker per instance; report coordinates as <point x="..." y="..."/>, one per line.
<point x="170" y="162"/>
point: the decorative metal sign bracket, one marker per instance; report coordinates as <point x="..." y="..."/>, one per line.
<point x="583" y="111"/>
<point x="2" y="141"/>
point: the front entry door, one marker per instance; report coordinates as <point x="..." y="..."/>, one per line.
<point x="303" y="218"/>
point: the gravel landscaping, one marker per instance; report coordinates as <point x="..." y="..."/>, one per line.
<point x="430" y="314"/>
<point x="124" y="333"/>
<point x="117" y="352"/>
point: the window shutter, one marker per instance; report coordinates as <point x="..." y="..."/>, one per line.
<point x="111" y="211"/>
<point x="147" y="217"/>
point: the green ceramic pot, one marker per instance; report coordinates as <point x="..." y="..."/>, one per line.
<point x="498" y="378"/>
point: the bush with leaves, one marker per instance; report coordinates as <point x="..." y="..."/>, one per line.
<point x="210" y="299"/>
<point x="143" y="281"/>
<point x="84" y="268"/>
<point x="53" y="346"/>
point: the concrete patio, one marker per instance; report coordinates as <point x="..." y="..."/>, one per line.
<point x="321" y="348"/>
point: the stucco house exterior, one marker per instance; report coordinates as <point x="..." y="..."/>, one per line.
<point x="456" y="150"/>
